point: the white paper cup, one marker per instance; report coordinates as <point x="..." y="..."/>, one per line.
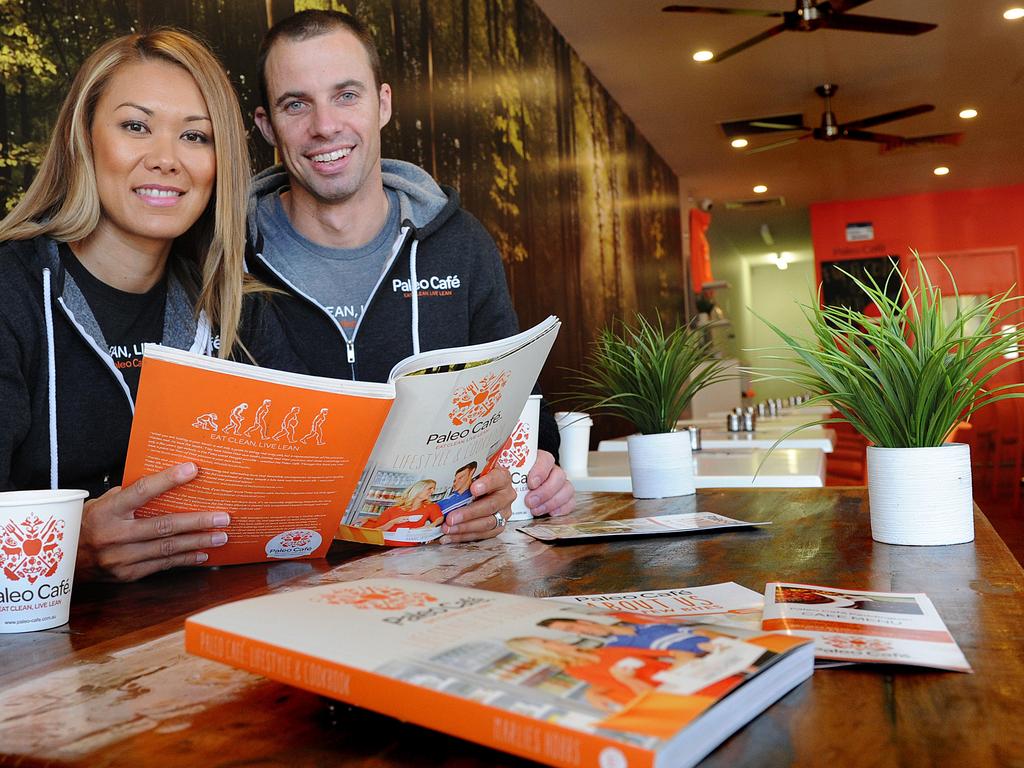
<point x="520" y="453"/>
<point x="38" y="546"/>
<point x="574" y="433"/>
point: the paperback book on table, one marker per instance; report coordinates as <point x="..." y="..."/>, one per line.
<point x="520" y="674"/>
<point x="857" y="626"/>
<point x="298" y="460"/>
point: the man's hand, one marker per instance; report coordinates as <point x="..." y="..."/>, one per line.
<point x="114" y="543"/>
<point x="551" y="493"/>
<point x="491" y="493"/>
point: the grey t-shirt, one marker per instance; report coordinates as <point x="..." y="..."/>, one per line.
<point x="339" y="279"/>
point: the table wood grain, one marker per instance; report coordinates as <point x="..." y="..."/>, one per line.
<point x="115" y="688"/>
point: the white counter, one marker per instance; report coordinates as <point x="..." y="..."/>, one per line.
<point x="817" y="438"/>
<point x="784" y="468"/>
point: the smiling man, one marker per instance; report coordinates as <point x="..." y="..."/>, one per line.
<point x="381" y="262"/>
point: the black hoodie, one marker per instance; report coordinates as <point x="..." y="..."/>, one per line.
<point x="459" y="296"/>
<point x="65" y="409"/>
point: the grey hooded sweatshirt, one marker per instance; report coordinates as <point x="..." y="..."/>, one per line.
<point x="443" y="286"/>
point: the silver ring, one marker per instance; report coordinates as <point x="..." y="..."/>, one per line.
<point x="499" y="521"/>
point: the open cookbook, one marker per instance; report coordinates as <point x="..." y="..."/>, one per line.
<point x="299" y="460"/>
<point x="560" y="684"/>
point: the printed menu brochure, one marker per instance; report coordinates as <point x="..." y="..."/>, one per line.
<point x="532" y="677"/>
<point x="689" y="522"/>
<point x="289" y="456"/>
<point x="852" y="625"/>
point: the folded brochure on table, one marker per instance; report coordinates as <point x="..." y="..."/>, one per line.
<point x="291" y="456"/>
<point x="687" y="522"/>
<point x="857" y="626"/>
<point x="510" y="672"/>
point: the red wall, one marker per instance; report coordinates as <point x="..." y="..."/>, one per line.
<point x="965" y="219"/>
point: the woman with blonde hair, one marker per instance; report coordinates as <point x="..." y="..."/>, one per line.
<point x="133" y="231"/>
<point x="412" y="509"/>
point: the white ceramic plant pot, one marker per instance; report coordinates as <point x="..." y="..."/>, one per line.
<point x="921" y="496"/>
<point x="661" y="465"/>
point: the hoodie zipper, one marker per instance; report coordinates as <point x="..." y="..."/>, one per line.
<point x="350" y="344"/>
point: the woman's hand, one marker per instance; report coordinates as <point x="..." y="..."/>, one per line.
<point x="114" y="543"/>
<point x="551" y="493"/>
<point x="492" y="493"/>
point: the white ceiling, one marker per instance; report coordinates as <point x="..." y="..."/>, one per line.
<point x="974" y="58"/>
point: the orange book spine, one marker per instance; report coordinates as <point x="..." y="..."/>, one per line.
<point x="515" y="734"/>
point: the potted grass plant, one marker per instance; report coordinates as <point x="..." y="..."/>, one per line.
<point x="905" y="380"/>
<point x="647" y="373"/>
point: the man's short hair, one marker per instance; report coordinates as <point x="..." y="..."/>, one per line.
<point x="305" y="25"/>
<point x="471" y="465"/>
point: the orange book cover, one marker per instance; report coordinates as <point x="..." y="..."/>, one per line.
<point x="281" y="453"/>
<point x="559" y="684"/>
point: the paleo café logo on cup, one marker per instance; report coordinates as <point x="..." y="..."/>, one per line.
<point x="471" y="408"/>
<point x="376" y="598"/>
<point x="31" y="548"/>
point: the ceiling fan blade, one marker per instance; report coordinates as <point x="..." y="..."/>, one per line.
<point x="888" y="117"/>
<point x="777" y="144"/>
<point x="841" y="6"/>
<point x="721" y="11"/>
<point x="850" y="23"/>
<point x="878" y="138"/>
<point x="772" y="124"/>
<point x="935" y="139"/>
<point x="748" y="43"/>
<point x="768" y="125"/>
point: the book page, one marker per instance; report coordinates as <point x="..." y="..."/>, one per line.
<point x="281" y="460"/>
<point x="853" y="625"/>
<point x="445" y="430"/>
<point x="727" y="603"/>
<point x="690" y="522"/>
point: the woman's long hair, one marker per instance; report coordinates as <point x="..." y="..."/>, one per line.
<point x="409" y="494"/>
<point x="63" y="202"/>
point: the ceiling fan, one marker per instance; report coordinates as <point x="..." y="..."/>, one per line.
<point x="832" y="130"/>
<point x="809" y="16"/>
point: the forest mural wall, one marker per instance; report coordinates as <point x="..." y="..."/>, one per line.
<point x="488" y="97"/>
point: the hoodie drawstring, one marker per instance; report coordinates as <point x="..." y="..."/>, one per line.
<point x="51" y="378"/>
<point x="415" y="298"/>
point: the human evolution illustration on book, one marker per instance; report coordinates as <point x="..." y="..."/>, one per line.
<point x="299" y="460"/>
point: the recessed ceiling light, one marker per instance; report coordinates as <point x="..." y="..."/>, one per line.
<point x="967" y="114"/>
<point x="739" y="143"/>
<point x="760" y="189"/>
<point x="941" y="171"/>
<point x="703" y="56"/>
<point x="1012" y="14"/>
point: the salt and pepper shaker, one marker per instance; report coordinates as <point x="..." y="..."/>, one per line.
<point x="733" y="422"/>
<point x="694" y="437"/>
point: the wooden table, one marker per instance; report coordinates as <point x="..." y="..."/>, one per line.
<point x="782" y="468"/>
<point x="115" y="689"/>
